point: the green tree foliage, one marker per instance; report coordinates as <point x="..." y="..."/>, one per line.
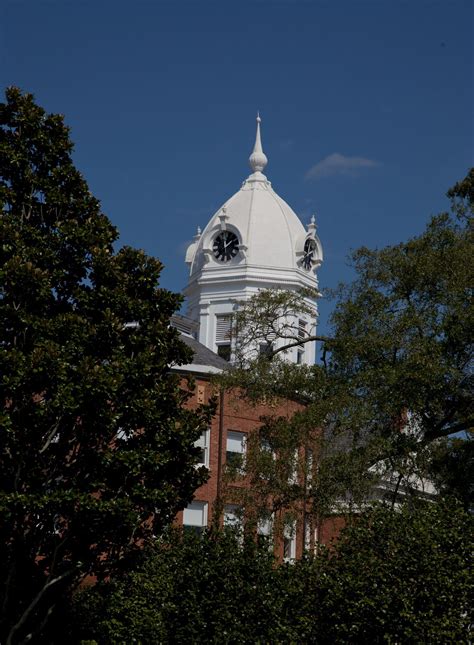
<point x="400" y="577"/>
<point x="96" y="448"/>
<point x="261" y="320"/>
<point x="403" y="336"/>
<point x="396" y="576"/>
<point x="191" y="589"/>
<point x="396" y="371"/>
<point x="452" y="468"/>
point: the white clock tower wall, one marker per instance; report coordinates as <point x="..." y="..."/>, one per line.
<point x="254" y="241"/>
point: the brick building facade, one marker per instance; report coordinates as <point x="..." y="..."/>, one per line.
<point x="225" y="440"/>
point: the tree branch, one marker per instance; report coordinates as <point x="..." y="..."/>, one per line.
<point x="462" y="426"/>
<point x="301" y="341"/>
<point x="33" y="603"/>
<point x="31" y="635"/>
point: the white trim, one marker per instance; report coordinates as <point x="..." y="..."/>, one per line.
<point x="265" y="525"/>
<point x="289" y="533"/>
<point x="201" y="369"/>
<point x="237" y="439"/>
<point x="204" y="443"/>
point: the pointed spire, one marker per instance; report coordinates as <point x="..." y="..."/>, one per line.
<point x="258" y="159"/>
<point x="258" y="141"/>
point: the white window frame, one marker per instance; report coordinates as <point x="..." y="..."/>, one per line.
<point x="233" y="518"/>
<point x="265" y="446"/>
<point x="316" y="538"/>
<point x="237" y="438"/>
<point x="302" y="328"/>
<point x="293" y="475"/>
<point x="307" y="534"/>
<point x="309" y="465"/>
<point x="123" y="435"/>
<point x="204" y="443"/>
<point x="265" y="526"/>
<point x="289" y="535"/>
<point x="223" y="332"/>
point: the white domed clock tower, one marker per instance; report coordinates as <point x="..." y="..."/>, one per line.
<point x="254" y="241"/>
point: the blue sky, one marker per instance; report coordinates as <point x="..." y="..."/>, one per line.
<point x="366" y="110"/>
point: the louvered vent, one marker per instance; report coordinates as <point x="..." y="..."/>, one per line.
<point x="223" y="328"/>
<point x="302" y="328"/>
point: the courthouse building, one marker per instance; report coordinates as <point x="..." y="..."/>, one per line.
<point x="254" y="241"/>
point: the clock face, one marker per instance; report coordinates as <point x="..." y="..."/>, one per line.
<point x="226" y="246"/>
<point x="309" y="249"/>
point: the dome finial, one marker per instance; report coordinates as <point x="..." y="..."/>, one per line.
<point x="258" y="159"/>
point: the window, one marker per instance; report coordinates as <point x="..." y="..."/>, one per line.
<point x="265" y="349"/>
<point x="235" y="450"/>
<point x="223" y="335"/>
<point x="307" y="534"/>
<point x="233" y="517"/>
<point x="203" y="444"/>
<point x="302" y="333"/>
<point x="224" y="351"/>
<point x="293" y="476"/>
<point x="195" y="516"/>
<point x="309" y="466"/>
<point x="265" y="528"/>
<point x="233" y="521"/>
<point x="123" y="435"/>
<point x="316" y="538"/>
<point x="289" y="542"/>
<point x="223" y="328"/>
<point x="302" y="328"/>
<point x="267" y="459"/>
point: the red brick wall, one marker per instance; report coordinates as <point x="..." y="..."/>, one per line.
<point x="331" y="528"/>
<point x="237" y="414"/>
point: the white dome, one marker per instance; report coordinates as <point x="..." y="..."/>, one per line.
<point x="272" y="250"/>
<point x="269" y="231"/>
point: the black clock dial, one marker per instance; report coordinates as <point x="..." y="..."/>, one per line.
<point x="226" y="246"/>
<point x="309" y="249"/>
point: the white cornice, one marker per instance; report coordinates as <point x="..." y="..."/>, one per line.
<point x="255" y="273"/>
<point x="197" y="369"/>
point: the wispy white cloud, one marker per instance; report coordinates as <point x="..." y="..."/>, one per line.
<point x="337" y="164"/>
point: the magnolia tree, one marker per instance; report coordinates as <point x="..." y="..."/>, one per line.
<point x="96" y="446"/>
